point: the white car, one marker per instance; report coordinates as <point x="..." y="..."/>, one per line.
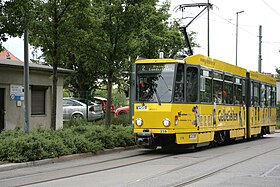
<point x="74" y="108"/>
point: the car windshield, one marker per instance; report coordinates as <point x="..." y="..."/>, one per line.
<point x="155" y="82"/>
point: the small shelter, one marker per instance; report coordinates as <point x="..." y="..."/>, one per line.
<point x="40" y="97"/>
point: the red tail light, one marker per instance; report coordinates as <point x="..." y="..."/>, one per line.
<point x="91" y="109"/>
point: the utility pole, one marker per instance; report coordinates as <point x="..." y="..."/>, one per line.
<point x="236" y="44"/>
<point x="132" y="91"/>
<point x="26" y="84"/>
<point x="260" y="50"/>
<point x="208" y="29"/>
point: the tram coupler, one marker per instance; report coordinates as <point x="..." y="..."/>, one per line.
<point x="144" y="138"/>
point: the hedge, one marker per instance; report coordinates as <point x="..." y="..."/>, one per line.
<point x="77" y="137"/>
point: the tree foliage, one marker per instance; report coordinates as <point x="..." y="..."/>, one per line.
<point x="98" y="39"/>
<point x="278" y="72"/>
<point x="123" y="29"/>
<point x="52" y="24"/>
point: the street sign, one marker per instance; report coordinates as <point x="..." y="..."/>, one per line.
<point x="16" y="92"/>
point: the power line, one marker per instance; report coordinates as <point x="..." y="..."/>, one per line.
<point x="270" y="7"/>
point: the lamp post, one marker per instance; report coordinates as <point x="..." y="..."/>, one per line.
<point x="237" y="35"/>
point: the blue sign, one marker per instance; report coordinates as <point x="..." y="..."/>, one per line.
<point x="141" y="107"/>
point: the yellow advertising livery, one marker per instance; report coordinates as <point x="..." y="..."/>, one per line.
<point x="200" y="100"/>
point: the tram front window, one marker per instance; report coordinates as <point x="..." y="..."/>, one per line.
<point x="154" y="82"/>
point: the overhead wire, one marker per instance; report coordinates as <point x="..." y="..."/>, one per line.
<point x="270" y="7"/>
<point x="228" y="21"/>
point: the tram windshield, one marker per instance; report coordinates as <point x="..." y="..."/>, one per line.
<point x="154" y="82"/>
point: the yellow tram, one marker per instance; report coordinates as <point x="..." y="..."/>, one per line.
<point x="199" y="100"/>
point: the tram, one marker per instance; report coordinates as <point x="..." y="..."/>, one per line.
<point x="200" y="100"/>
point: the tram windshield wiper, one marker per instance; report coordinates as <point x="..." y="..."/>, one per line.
<point x="164" y="82"/>
<point x="157" y="96"/>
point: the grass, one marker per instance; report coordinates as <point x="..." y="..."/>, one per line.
<point x="278" y="125"/>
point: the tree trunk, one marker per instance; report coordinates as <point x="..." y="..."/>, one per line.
<point x="109" y="102"/>
<point x="54" y="96"/>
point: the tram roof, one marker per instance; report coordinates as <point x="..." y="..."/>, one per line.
<point x="263" y="78"/>
<point x="216" y="64"/>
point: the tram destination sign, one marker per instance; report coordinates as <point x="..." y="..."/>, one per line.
<point x="155" y="68"/>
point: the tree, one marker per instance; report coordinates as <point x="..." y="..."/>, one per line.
<point x="120" y="31"/>
<point x="57" y="22"/>
<point x="13" y="23"/>
<point x="51" y="25"/>
<point x="123" y="29"/>
<point x="98" y="40"/>
<point x="278" y="72"/>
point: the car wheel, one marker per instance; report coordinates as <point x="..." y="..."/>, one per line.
<point x="77" y="116"/>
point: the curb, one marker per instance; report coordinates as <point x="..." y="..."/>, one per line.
<point x="11" y="166"/>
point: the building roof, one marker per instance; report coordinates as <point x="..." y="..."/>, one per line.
<point x="5" y="54"/>
<point x="18" y="64"/>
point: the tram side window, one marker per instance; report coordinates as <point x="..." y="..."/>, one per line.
<point x="256" y="94"/>
<point x="217" y="87"/>
<point x="205" y="86"/>
<point x="252" y="93"/>
<point x="237" y="91"/>
<point x="268" y="95"/>
<point x="273" y="97"/>
<point x="263" y="100"/>
<point x="179" y="84"/>
<point x="228" y="90"/>
<point x="192" y="84"/>
<point x="243" y="91"/>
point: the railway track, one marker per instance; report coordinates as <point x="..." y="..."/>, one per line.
<point x="40" y="177"/>
<point x="204" y="174"/>
<point x="209" y="174"/>
<point x="80" y="170"/>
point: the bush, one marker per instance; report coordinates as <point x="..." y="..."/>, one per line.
<point x="77" y="137"/>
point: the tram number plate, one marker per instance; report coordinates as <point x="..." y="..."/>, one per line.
<point x="141" y="107"/>
<point x="163" y="131"/>
<point x="192" y="136"/>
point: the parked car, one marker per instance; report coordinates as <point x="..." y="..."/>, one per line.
<point x="103" y="102"/>
<point x="74" y="108"/>
<point x="122" y="111"/>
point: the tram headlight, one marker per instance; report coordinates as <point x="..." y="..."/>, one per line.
<point x="139" y="122"/>
<point x="166" y="122"/>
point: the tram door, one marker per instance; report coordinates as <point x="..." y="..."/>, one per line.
<point x="2" y="113"/>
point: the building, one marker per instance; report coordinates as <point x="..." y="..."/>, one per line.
<point x="5" y="54"/>
<point x="40" y="97"/>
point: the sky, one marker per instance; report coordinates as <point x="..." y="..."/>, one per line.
<point x="223" y="32"/>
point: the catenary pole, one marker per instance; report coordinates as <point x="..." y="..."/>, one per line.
<point x="208" y="29"/>
<point x="26" y="84"/>
<point x="236" y="41"/>
<point x="132" y="92"/>
<point x="260" y="50"/>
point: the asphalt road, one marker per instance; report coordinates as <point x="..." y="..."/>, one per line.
<point x="251" y="163"/>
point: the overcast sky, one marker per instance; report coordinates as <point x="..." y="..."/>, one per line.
<point x="223" y="31"/>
